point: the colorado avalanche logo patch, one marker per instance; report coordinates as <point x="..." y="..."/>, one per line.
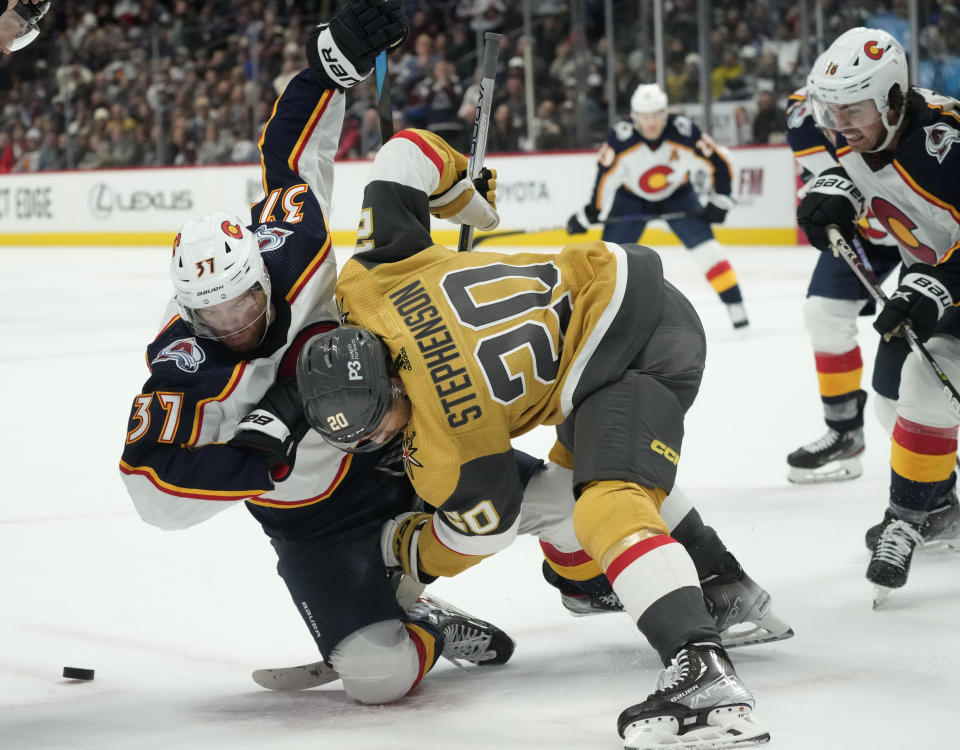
<point x="271" y="238"/>
<point x="186" y="354"/>
<point x="940" y="137"/>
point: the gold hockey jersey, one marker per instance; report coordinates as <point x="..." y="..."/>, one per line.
<point x="488" y="345"/>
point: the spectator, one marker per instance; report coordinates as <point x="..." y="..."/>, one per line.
<point x="441" y="99"/>
<point x="725" y="77"/>
<point x="547" y="132"/>
<point x="415" y="67"/>
<point x="215" y="147"/>
<point x="50" y="156"/>
<point x="30" y="153"/>
<point x="6" y="153"/>
<point x="504" y="135"/>
<point x="770" y="124"/>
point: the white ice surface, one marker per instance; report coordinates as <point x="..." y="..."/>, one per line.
<point x="173" y="622"/>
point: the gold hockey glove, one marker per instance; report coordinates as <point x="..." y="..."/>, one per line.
<point x="399" y="538"/>
<point x="469" y="203"/>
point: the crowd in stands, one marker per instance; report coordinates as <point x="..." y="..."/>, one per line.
<point x="118" y="83"/>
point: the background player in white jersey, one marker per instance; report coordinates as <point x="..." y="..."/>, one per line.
<point x="835" y="299"/>
<point x="219" y="421"/>
<point x="643" y="172"/>
<point x="460" y="352"/>
<point x="899" y="156"/>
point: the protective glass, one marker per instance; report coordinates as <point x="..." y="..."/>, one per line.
<point x="231" y="317"/>
<point x="844" y="116"/>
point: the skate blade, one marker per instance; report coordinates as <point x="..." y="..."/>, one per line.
<point x="835" y="471"/>
<point x="880" y="594"/>
<point x="765" y="629"/>
<point x="727" y="726"/>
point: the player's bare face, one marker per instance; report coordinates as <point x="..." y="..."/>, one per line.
<point x="239" y="324"/>
<point x="650" y="124"/>
<point x="860" y="123"/>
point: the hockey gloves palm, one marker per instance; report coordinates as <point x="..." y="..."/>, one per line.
<point x="341" y="53"/>
<point x="582" y="219"/>
<point x="920" y="300"/>
<point x="469" y="203"/>
<point x="275" y="428"/>
<point x="831" y="199"/>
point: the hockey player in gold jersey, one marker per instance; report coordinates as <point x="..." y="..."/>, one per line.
<point x="460" y="352"/>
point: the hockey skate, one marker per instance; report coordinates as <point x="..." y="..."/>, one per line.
<point x="738" y="315"/>
<point x="740" y="607"/>
<point x="466" y="637"/>
<point x="578" y="602"/>
<point x="890" y="564"/>
<point x="940" y="529"/>
<point x="700" y="703"/>
<point x="832" y="458"/>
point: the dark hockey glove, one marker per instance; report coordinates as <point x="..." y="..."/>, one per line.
<point x="32" y="12"/>
<point x="275" y="428"/>
<point x="25" y="28"/>
<point x="831" y="199"/>
<point x="579" y="222"/>
<point x="713" y="214"/>
<point x="920" y="300"/>
<point x="341" y="53"/>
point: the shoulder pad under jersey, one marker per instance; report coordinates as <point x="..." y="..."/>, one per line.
<point x="683" y="124"/>
<point x="623" y="131"/>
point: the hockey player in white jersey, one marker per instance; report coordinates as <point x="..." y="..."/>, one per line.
<point x="898" y="155"/>
<point x="835" y="299"/>
<point x="643" y="173"/>
<point x="219" y="420"/>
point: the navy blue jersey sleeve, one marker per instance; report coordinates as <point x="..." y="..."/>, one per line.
<point x="706" y="148"/>
<point x="297" y="147"/>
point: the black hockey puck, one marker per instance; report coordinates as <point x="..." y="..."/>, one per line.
<point x="77" y="673"/>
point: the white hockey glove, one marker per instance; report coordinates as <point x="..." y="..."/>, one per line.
<point x="473" y="204"/>
<point x="398" y="544"/>
<point x="341" y="53"/>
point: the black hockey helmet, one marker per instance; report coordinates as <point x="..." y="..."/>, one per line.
<point x="344" y="379"/>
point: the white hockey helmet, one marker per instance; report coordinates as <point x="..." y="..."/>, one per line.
<point x="216" y="259"/>
<point x="648" y="97"/>
<point x="862" y="65"/>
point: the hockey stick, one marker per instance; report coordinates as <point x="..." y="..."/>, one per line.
<point x="384" y="104"/>
<point x="613" y="220"/>
<point x="315" y="674"/>
<point x="481" y="124"/>
<point x="869" y="280"/>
